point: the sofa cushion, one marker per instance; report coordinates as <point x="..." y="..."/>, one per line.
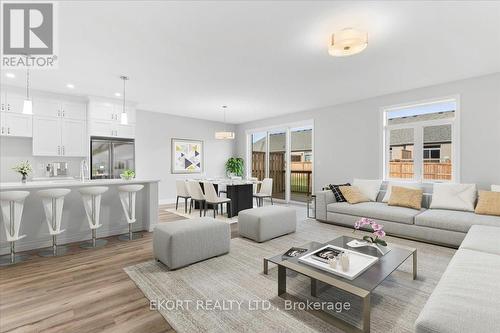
<point x="454" y="220"/>
<point x="406" y="197"/>
<point x="482" y="238"/>
<point x="375" y="210"/>
<point x="353" y="195"/>
<point x="369" y="187"/>
<point x="488" y="203"/>
<point x="467" y="297"/>
<point x="454" y="196"/>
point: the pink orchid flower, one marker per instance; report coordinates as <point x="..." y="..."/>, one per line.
<point x="377" y="227"/>
<point x="379" y="233"/>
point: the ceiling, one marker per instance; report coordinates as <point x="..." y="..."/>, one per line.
<point x="264" y="59"/>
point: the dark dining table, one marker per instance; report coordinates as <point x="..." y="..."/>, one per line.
<point x="241" y="196"/>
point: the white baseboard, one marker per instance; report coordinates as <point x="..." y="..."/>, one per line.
<point x="166" y="201"/>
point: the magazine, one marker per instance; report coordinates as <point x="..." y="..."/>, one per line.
<point x="294" y="251"/>
<point x="326" y="254"/>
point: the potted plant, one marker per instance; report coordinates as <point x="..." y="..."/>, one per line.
<point x="378" y="233"/>
<point x="24" y="168"/>
<point x="127" y="174"/>
<point x="234" y="166"/>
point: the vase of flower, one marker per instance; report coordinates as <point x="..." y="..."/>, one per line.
<point x="24" y="168"/>
<point x="376" y="240"/>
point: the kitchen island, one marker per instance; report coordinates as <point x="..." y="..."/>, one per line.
<point x="74" y="219"/>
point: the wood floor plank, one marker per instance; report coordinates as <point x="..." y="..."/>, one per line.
<point x="85" y="291"/>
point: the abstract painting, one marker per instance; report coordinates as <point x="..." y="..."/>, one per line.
<point x="187" y="156"/>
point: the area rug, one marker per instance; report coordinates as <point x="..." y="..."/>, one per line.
<point x="196" y="213"/>
<point x="231" y="294"/>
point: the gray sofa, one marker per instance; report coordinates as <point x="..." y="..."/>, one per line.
<point x="439" y="226"/>
<point x="467" y="298"/>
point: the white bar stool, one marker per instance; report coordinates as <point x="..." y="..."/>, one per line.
<point x="92" y="202"/>
<point x="12" y="204"/>
<point x="53" y="201"/>
<point x="127" y="197"/>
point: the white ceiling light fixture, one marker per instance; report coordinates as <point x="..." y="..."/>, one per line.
<point x="117" y="94"/>
<point x="70" y="86"/>
<point x="124" y="117"/>
<point x="225" y="134"/>
<point x="10" y="75"/>
<point x="28" y="104"/>
<point x="347" y="42"/>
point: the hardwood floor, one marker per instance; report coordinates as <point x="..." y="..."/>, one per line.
<point x="85" y="291"/>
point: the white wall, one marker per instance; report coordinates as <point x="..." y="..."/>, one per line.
<point x="154" y="132"/>
<point x="347" y="137"/>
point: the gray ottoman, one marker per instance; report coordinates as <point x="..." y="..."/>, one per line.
<point x="181" y="243"/>
<point x="264" y="223"/>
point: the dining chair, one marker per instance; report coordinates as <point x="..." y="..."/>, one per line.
<point x="182" y="192"/>
<point x="196" y="194"/>
<point x="211" y="198"/>
<point x="266" y="191"/>
<point x="254" y="181"/>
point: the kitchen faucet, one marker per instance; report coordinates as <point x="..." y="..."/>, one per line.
<point x="84" y="169"/>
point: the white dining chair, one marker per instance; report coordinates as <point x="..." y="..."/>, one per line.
<point x="182" y="192"/>
<point x="196" y="194"/>
<point x="266" y="191"/>
<point x="211" y="198"/>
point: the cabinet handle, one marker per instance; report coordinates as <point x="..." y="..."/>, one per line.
<point x="3" y="107"/>
<point x="3" y="130"/>
<point x="8" y="107"/>
<point x="63" y="113"/>
<point x="8" y="130"/>
<point x="112" y="116"/>
<point x="63" y="151"/>
<point x="58" y="150"/>
<point x="58" y="113"/>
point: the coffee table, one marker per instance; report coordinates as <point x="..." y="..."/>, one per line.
<point x="361" y="287"/>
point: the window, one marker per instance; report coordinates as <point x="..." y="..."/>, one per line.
<point x="421" y="142"/>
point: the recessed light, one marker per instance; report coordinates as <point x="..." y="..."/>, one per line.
<point x="10" y="75"/>
<point x="117" y="94"/>
<point x="70" y="86"/>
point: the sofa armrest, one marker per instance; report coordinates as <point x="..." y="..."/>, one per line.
<point x="323" y="198"/>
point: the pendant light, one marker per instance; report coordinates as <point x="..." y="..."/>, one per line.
<point x="124" y="117"/>
<point x="28" y="104"/>
<point x="224" y="135"/>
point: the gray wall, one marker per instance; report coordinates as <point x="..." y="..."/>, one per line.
<point x="154" y="132"/>
<point x="347" y="137"/>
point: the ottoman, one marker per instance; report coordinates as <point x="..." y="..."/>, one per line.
<point x="181" y="243"/>
<point x="264" y="223"/>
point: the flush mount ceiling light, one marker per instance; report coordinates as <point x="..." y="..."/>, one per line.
<point x="117" y="94"/>
<point x="347" y="42"/>
<point x="124" y="117"/>
<point x="70" y="86"/>
<point x="10" y="75"/>
<point x="224" y="135"/>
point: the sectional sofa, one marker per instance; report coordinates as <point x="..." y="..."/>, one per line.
<point x="438" y="226"/>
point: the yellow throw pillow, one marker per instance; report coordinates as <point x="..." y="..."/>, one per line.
<point x="406" y="197"/>
<point x="352" y="194"/>
<point x="489" y="203"/>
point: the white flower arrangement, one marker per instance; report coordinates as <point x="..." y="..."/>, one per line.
<point x="24" y="168"/>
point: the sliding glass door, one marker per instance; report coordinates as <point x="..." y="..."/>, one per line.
<point x="286" y="156"/>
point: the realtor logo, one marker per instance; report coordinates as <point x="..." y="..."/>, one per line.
<point x="28" y="34"/>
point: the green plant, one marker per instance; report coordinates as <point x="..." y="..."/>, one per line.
<point x="24" y="168"/>
<point x="234" y="165"/>
<point x="128" y="174"/>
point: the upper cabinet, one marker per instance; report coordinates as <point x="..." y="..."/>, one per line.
<point x="59" y="109"/>
<point x="104" y="119"/>
<point x="11" y="102"/>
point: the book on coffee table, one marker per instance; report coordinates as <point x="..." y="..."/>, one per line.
<point x="294" y="251"/>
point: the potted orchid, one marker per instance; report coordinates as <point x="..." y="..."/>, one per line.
<point x="24" y="168"/>
<point x="378" y="232"/>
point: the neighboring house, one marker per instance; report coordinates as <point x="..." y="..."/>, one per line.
<point x="437" y="139"/>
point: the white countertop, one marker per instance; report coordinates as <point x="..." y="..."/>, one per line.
<point x="71" y="183"/>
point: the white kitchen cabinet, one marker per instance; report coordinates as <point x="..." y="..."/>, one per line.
<point x="56" y="136"/>
<point x="101" y="128"/>
<point x="73" y="137"/>
<point x="16" y="124"/>
<point x="101" y="111"/>
<point x="75" y="111"/>
<point x="46" y="136"/>
<point x="11" y="102"/>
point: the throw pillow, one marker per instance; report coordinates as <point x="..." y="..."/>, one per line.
<point x="495" y="188"/>
<point x="388" y="192"/>
<point x="406" y="197"/>
<point x="368" y="187"/>
<point x="336" y="192"/>
<point x="489" y="203"/>
<point x="454" y="196"/>
<point x="353" y="194"/>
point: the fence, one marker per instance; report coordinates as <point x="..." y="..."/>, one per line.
<point x="432" y="170"/>
<point x="300" y="177"/>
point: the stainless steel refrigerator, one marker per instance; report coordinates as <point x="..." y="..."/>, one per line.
<point x="110" y="157"/>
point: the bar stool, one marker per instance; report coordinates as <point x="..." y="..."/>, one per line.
<point x="92" y="202"/>
<point x="127" y="197"/>
<point x="53" y="201"/>
<point x="12" y="204"/>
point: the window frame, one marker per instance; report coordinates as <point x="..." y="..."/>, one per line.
<point x="418" y="148"/>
